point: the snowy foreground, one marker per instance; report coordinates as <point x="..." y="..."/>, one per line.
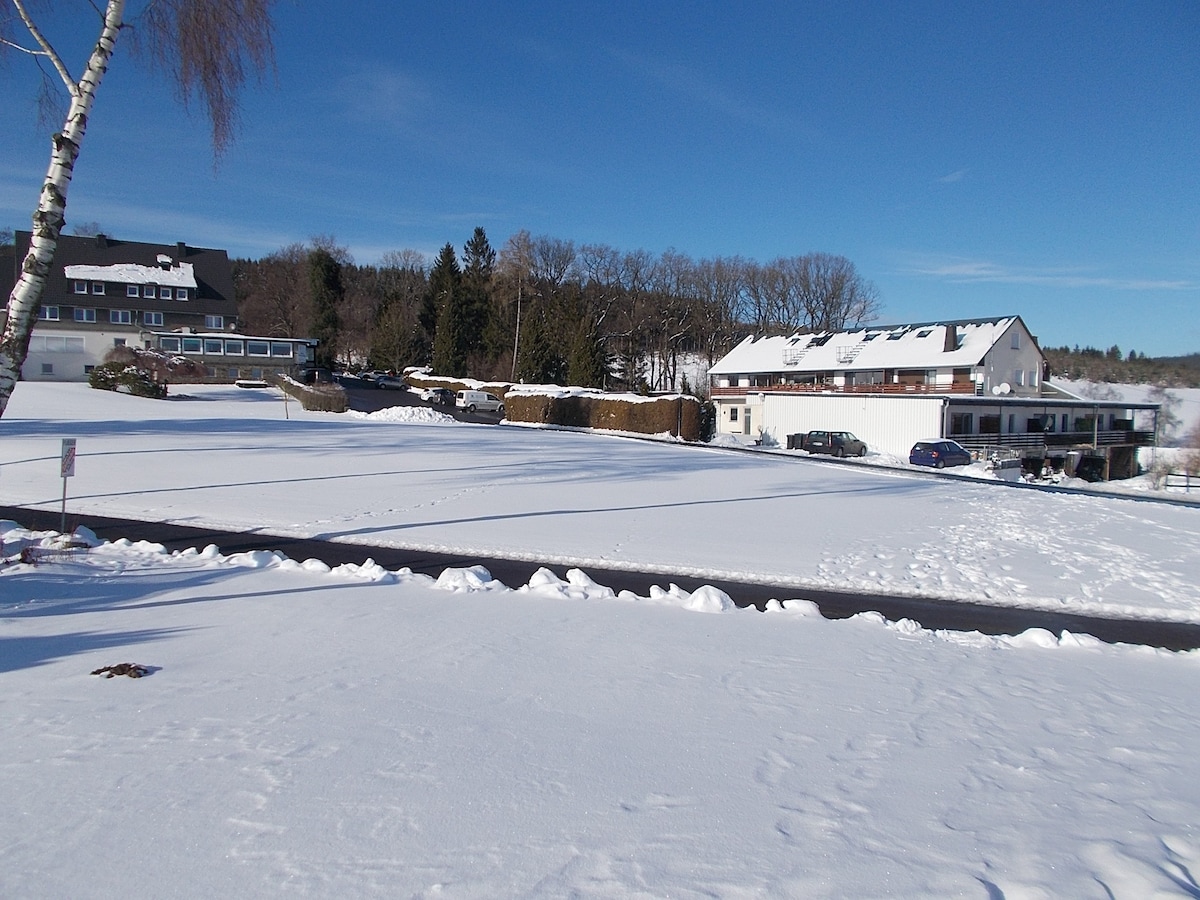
<point x="359" y="732"/>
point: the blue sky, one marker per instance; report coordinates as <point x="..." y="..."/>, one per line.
<point x="971" y="159"/>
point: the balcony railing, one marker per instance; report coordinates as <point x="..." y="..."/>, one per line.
<point x="1058" y="440"/>
<point x="962" y="387"/>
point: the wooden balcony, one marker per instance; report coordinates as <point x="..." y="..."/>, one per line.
<point x="1055" y="440"/>
<point x="962" y="387"/>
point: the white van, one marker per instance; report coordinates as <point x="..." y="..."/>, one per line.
<point x="472" y="401"/>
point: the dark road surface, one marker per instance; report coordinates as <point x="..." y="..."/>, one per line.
<point x="934" y="614"/>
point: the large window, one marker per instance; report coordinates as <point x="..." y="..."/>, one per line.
<point x="192" y="345"/>
<point x="120" y="316"/>
<point x="48" y="313"/>
<point x="214" y="346"/>
<point x="216" y="323"/>
<point x="258" y="348"/>
<point x="281" y="348"/>
<point x="234" y="348"/>
<point x="962" y="423"/>
<point x="168" y="344"/>
<point x="153" y="319"/>
<point x="84" y="315"/>
<point x="53" y="343"/>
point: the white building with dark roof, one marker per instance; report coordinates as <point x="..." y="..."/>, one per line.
<point x="977" y="381"/>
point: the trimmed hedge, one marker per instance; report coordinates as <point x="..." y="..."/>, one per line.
<point x="681" y="417"/>
<point x="319" y="397"/>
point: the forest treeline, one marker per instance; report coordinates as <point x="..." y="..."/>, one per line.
<point x="1114" y="367"/>
<point x="542" y="309"/>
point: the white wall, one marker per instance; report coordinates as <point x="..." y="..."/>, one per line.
<point x="887" y="424"/>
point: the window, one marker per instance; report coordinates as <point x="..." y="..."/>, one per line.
<point x="181" y="293"/>
<point x="169" y="344"/>
<point x="924" y="332"/>
<point x="152" y="318"/>
<point x="1016" y="340"/>
<point x="47" y="368"/>
<point x="1012" y="423"/>
<point x="234" y="348"/>
<point x="1064" y="421"/>
<point x="132" y="290"/>
<point x="164" y="293"/>
<point x="962" y="423"/>
<point x="258" y="348"/>
<point x="281" y="348"/>
<point x="84" y="315"/>
<point x="98" y="287"/>
<point x="149" y="292"/>
<point x="81" y="287"/>
<point x="53" y="343"/>
<point x="1019" y="377"/>
<point x="48" y="313"/>
<point x="733" y="413"/>
<point x="214" y="346"/>
<point x="214" y="322"/>
<point x="232" y="373"/>
<point x="120" y="316"/>
<point x="192" y="345"/>
<point x="118" y="342"/>
<point x="1033" y="377"/>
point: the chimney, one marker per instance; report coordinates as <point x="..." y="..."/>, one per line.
<point x="951" y="338"/>
<point x="102" y="241"/>
<point x="180" y="250"/>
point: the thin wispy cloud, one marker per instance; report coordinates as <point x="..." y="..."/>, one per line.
<point x="963" y="270"/>
<point x="694" y="85"/>
<point x="954" y="177"/>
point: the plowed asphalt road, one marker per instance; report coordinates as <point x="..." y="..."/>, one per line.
<point x="936" y="614"/>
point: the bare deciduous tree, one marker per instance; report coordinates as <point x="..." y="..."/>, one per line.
<point x="204" y="47"/>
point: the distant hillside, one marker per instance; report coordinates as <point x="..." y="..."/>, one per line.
<point x="1111" y="366"/>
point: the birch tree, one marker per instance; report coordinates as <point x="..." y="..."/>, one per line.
<point x="204" y="47"/>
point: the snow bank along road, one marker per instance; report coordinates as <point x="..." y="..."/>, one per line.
<point x="930" y="613"/>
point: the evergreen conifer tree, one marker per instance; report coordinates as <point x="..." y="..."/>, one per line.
<point x="446" y="298"/>
<point x="325" y="284"/>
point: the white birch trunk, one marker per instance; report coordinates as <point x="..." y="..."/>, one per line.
<point x="26" y="296"/>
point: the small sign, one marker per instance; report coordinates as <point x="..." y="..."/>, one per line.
<point x="68" y="457"/>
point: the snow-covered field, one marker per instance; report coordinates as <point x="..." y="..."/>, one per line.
<point x="362" y="732"/>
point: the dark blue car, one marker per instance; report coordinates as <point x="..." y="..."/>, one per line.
<point x="939" y="454"/>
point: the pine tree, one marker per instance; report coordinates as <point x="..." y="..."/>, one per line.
<point x="325" y="284"/>
<point x="479" y="262"/>
<point x="587" y="365"/>
<point x="445" y="296"/>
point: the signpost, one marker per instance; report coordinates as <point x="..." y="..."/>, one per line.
<point x="68" y="469"/>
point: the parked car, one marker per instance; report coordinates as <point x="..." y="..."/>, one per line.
<point x="390" y="383"/>
<point x="370" y="375"/>
<point x="473" y="401"/>
<point x="438" y="395"/>
<point x="837" y="443"/>
<point x="939" y="454"/>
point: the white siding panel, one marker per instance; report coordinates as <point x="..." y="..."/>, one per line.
<point x="887" y="424"/>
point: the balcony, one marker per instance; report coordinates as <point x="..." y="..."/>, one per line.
<point x="1055" y="440"/>
<point x="963" y="387"/>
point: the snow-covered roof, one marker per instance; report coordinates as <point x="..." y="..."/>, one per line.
<point x="180" y="275"/>
<point x="917" y="346"/>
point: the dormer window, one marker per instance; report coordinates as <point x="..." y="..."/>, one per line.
<point x="81" y="287"/>
<point x="132" y="290"/>
<point x="97" y="287"/>
<point x="181" y="293"/>
<point x="164" y="293"/>
<point x="149" y="292"/>
<point x="924" y="332"/>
